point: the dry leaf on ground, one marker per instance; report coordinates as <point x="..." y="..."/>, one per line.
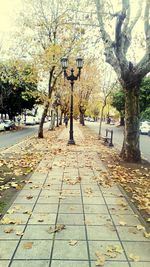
<point x="73" y="242"/>
<point x="28" y="245"/>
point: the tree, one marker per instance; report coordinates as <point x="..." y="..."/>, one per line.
<point x="51" y="38"/>
<point x="18" y="89"/>
<point x="129" y="74"/>
<point x="118" y="101"/>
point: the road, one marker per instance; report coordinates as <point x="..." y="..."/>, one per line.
<point x="10" y="138"/>
<point x="118" y="137"/>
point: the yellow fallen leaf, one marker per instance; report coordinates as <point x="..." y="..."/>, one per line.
<point x="147" y="235"/>
<point x="134" y="258"/>
<point x="101" y="259"/>
<point x="28" y="245"/>
<point x="140" y="227"/>
<point x="19" y="233"/>
<point x="73" y="242"/>
<point x="122" y="223"/>
<point x="9" y="230"/>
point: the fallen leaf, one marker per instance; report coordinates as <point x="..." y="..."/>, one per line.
<point x="19" y="233"/>
<point x="58" y="228"/>
<point x="27" y="245"/>
<point x="9" y="230"/>
<point x="29" y="197"/>
<point x="122" y="223"/>
<point x="134" y="258"/>
<point x="140" y="227"/>
<point x="100" y="260"/>
<point x="73" y="242"/>
<point x="147" y="235"/>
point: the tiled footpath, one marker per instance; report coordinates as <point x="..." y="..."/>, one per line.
<point x="63" y="193"/>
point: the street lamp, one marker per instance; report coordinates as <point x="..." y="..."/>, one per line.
<point x="71" y="78"/>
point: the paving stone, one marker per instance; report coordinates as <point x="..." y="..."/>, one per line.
<point x="93" y="200"/>
<point x="45" y="218"/>
<point x="47" y="208"/>
<point x="48" y="200"/>
<point x="18" y="218"/>
<point x="102" y="247"/>
<point x="30" y="263"/>
<point x="26" y="199"/>
<point x="115" y="200"/>
<point x="130" y="220"/>
<point x="106" y="232"/>
<point x="72" y="233"/>
<point x="62" y="250"/>
<point x="39" y="250"/>
<point x="38" y="232"/>
<point x="131" y="234"/>
<point x="120" y="210"/>
<point x="27" y="192"/>
<point x="14" y="230"/>
<point x="141" y="249"/>
<point x="140" y="264"/>
<point x="113" y="264"/>
<point x="69" y="263"/>
<point x="73" y="219"/>
<point x="7" y="249"/>
<point x="50" y="193"/>
<point x="70" y="208"/>
<point x="95" y="209"/>
<point x="4" y="263"/>
<point x="97" y="219"/>
<point x="70" y="200"/>
<point x="20" y="208"/>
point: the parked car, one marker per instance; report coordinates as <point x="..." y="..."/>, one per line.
<point x="2" y="126"/>
<point x="9" y="124"/>
<point x="145" y="127"/>
<point x="30" y="120"/>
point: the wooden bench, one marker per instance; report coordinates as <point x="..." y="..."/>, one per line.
<point x="108" y="138"/>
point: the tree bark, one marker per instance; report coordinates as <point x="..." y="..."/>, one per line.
<point x="82" y="119"/>
<point x="122" y="122"/>
<point x="61" y="116"/>
<point x="130" y="150"/>
<point x="40" y="132"/>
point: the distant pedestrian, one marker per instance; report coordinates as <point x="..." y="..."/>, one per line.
<point x="66" y="120"/>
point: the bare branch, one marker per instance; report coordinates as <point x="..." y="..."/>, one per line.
<point x="147" y="25"/>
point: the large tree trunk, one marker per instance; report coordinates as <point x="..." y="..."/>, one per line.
<point x="130" y="150"/>
<point x="122" y="122"/>
<point x="61" y="117"/>
<point x="82" y="119"/>
<point x="40" y="132"/>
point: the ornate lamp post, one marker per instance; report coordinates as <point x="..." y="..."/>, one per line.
<point x="71" y="78"/>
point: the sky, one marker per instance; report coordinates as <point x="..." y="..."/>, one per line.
<point x="8" y="9"/>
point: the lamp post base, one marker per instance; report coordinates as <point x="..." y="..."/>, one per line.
<point x="71" y="142"/>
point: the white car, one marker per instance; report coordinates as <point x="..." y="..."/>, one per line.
<point x="30" y="120"/>
<point x="2" y="126"/>
<point x="145" y="127"/>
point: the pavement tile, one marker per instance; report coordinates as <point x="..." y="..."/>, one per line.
<point x="20" y="208"/>
<point x="130" y="220"/>
<point x="97" y="219"/>
<point x="73" y="219"/>
<point x="14" y="230"/>
<point x="48" y="200"/>
<point x="50" y="193"/>
<point x="93" y="200"/>
<point x="113" y="190"/>
<point x="39" y="250"/>
<point x="120" y="210"/>
<point x="106" y="232"/>
<point x="140" y="264"/>
<point x="29" y="199"/>
<point x="115" y="200"/>
<point x="38" y="232"/>
<point x="27" y="192"/>
<point x="4" y="263"/>
<point x="30" y="263"/>
<point x="47" y="208"/>
<point x="72" y="233"/>
<point x="69" y="263"/>
<point x="131" y="234"/>
<point x="42" y="218"/>
<point x="18" y="218"/>
<point x="70" y="208"/>
<point x="102" y="246"/>
<point x="93" y="194"/>
<point x="70" y="200"/>
<point x="113" y="264"/>
<point x="141" y="249"/>
<point x="62" y="250"/>
<point x="95" y="209"/>
<point x="7" y="248"/>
